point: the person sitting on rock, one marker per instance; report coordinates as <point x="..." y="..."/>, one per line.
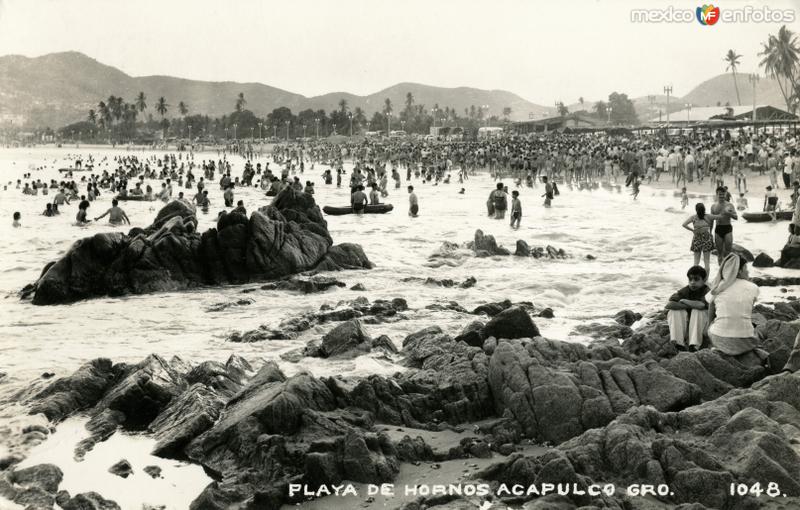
<point x="731" y="311"/>
<point x="687" y="314"/>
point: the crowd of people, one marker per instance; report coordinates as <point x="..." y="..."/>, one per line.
<point x="577" y="161"/>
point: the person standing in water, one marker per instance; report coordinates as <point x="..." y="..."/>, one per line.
<point x="17" y="220"/>
<point x="116" y="216"/>
<point x="413" y="203"/>
<point x="548" y="192"/>
<point x="516" y="210"/>
<point x="723" y="232"/>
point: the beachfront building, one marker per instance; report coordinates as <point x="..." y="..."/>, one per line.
<point x="573" y="121"/>
<point x="724" y="116"/>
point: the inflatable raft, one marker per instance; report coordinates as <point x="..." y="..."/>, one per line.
<point x="131" y="198"/>
<point x="370" y="209"/>
<point x="760" y="217"/>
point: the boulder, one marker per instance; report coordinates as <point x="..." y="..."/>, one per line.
<point x="512" y="322"/>
<point x="81" y="390"/>
<point x="790" y="257"/>
<point x="346" y="339"/>
<point x="284" y="238"/>
<point x="472" y="334"/>
<point x="763" y="260"/>
<point x="189" y="415"/>
<point x="523" y="250"/>
<point x="90" y="501"/>
<point x="627" y="317"/>
<point x="123" y="469"/>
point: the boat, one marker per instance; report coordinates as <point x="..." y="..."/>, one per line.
<point x="129" y="198"/>
<point x="760" y="217"/>
<point x="370" y="209"/>
<point x="89" y="169"/>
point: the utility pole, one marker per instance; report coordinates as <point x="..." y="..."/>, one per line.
<point x="754" y="80"/>
<point x="668" y="91"/>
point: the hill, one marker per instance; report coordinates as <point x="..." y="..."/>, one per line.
<point x="721" y="90"/>
<point x="59" y="88"/>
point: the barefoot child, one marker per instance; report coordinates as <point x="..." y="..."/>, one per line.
<point x="516" y="210"/>
<point x="687" y="314"/>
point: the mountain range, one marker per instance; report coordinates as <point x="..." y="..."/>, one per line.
<point x="59" y="88"/>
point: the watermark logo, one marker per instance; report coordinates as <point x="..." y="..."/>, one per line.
<point x="707" y="14"/>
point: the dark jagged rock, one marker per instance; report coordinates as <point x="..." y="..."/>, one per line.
<point x="90" y="501"/>
<point x="547" y="313"/>
<point x="523" y="250"/>
<point x="218" y="307"/>
<point x="192" y="413"/>
<point x="378" y="311"/>
<point x="627" y="317"/>
<point x="384" y="343"/>
<point x="32" y="488"/>
<point x="598" y="330"/>
<point x="485" y="245"/>
<point x="778" y="281"/>
<point x="450" y="306"/>
<point x="492" y="309"/>
<point x="122" y="469"/>
<point x="153" y="471"/>
<point x="359" y="287"/>
<point x="346" y="339"/>
<point x="790" y="257"/>
<point x="447" y="283"/>
<point x="313" y="284"/>
<point x="763" y="260"/>
<point x="288" y="237"/>
<point x="512" y="322"/>
<point x="81" y="390"/>
<point x="472" y="334"/>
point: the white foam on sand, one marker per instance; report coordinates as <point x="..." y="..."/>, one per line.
<point x="179" y="485"/>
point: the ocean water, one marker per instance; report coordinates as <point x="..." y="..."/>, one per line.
<point x="641" y="251"/>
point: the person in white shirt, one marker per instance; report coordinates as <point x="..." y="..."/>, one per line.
<point x="731" y="310"/>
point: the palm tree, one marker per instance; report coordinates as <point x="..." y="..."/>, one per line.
<point x="161" y="108"/>
<point x="732" y="58"/>
<point x="359" y="117"/>
<point x="140" y="102"/>
<point x="92" y="117"/>
<point x="105" y="113"/>
<point x="387" y="106"/>
<point x="507" y="112"/>
<point x="183" y="108"/>
<point x="240" y="102"/>
<point x="343" y="105"/>
<point x="780" y="61"/>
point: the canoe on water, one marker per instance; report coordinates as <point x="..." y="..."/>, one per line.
<point x="760" y="217"/>
<point x="75" y="169"/>
<point x="129" y="198"/>
<point x="370" y="209"/>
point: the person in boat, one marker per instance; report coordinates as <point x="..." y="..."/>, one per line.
<point x="116" y="216"/>
<point x="358" y="200"/>
<point x="137" y="190"/>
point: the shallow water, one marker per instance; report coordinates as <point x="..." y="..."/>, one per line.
<point x="641" y="249"/>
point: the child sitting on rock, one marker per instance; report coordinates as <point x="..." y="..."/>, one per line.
<point x="687" y="314"/>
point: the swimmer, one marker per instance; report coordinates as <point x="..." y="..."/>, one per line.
<point x="116" y="216"/>
<point x="17" y="220"/>
<point x="413" y="203"/>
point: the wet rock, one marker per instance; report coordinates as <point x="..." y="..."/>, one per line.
<point x="385" y="343"/>
<point x="413" y="450"/>
<point x="449" y="306"/>
<point x="779" y="281"/>
<point x="218" y="307"/>
<point x="763" y="260"/>
<point x="627" y="317"/>
<point x="485" y="244"/>
<point x="346" y="339"/>
<point x="523" y="250"/>
<point x="306" y="285"/>
<point x="144" y="392"/>
<point x="123" y="469"/>
<point x="472" y="334"/>
<point x="34" y="487"/>
<point x="599" y="330"/>
<point x="512" y="322"/>
<point x="153" y="471"/>
<point x="90" y="501"/>
<point x="287" y="237"/>
<point x="192" y="413"/>
<point x="790" y="257"/>
<point x="547" y="313"/>
<point x="359" y="287"/>
<point x="81" y="390"/>
<point x="101" y="426"/>
<point x="492" y="309"/>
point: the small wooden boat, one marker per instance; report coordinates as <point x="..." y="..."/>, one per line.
<point x="370" y="209"/>
<point x="761" y="217"/>
<point x="139" y="198"/>
<point x="66" y="170"/>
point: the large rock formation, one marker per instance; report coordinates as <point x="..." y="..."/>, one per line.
<point x="287" y="237"/>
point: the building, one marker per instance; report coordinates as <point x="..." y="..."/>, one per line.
<point x="574" y="121"/>
<point x="706" y="116"/>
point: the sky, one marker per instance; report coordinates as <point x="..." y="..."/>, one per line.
<point x="544" y="51"/>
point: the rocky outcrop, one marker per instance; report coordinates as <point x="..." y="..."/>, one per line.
<point x="287" y="237"/>
<point x="790" y="257"/>
<point x="34" y="487"/>
<point x="470" y="281"/>
<point x="374" y="312"/>
<point x="763" y="260"/>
